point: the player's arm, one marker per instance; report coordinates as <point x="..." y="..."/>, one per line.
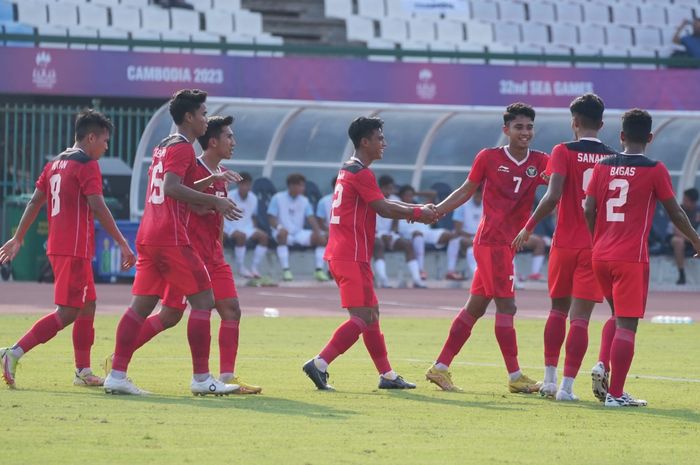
<point x="680" y="220"/>
<point x="104" y="216"/>
<point x="10" y="249"/>
<point x="321" y="223"/>
<point x="545" y="208"/>
<point x="228" y="176"/>
<point x="457" y="197"/>
<point x="399" y="211"/>
<point x="677" y="36"/>
<point x="315" y="227"/>
<point x="590" y="211"/>
<point x="174" y="189"/>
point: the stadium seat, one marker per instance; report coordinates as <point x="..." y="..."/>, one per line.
<point x="226" y="5"/>
<point x="17" y="28"/>
<point x="268" y="39"/>
<point x="84" y="33"/>
<point x="32" y="13"/>
<point x="511" y="11"/>
<point x="569" y="12"/>
<point x="564" y="34"/>
<point x="136" y="3"/>
<point x="173" y="36"/>
<point x="359" y="29"/>
<point x="111" y="33"/>
<point x="393" y="29"/>
<point x="642" y="53"/>
<point x="592" y="35"/>
<point x="185" y="21"/>
<point x="647" y="37"/>
<point x="146" y="35"/>
<point x="247" y="22"/>
<point x="93" y="16"/>
<point x="421" y="30"/>
<point x="126" y="19"/>
<point x="625" y="14"/>
<point x="395" y="9"/>
<point x="676" y="14"/>
<point x="526" y="49"/>
<point x="371" y="9"/>
<point x="106" y="2"/>
<point x="652" y="15"/>
<point x="218" y="22"/>
<point x="155" y="19"/>
<point x="501" y="48"/>
<point x="439" y="46"/>
<point x="201" y="5"/>
<point x="484" y="11"/>
<point x="479" y="32"/>
<point x="535" y="34"/>
<point x="596" y="13"/>
<point x="587" y="50"/>
<point x="51" y="30"/>
<point x="614" y="51"/>
<point x="541" y="12"/>
<point x="264" y="190"/>
<point x="205" y="37"/>
<point x="414" y="45"/>
<point x="381" y="44"/>
<point x="618" y="36"/>
<point x="554" y="49"/>
<point x="341" y="9"/>
<point x="64" y="15"/>
<point x="449" y="31"/>
<point x="508" y="33"/>
<point x="471" y="47"/>
<point x="234" y="38"/>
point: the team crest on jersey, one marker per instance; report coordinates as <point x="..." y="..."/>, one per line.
<point x="531" y="171"/>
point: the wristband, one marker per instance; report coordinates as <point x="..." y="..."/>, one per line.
<point x="416" y="213"/>
<point x="530" y="225"/>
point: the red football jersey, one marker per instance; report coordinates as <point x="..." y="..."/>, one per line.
<point x="508" y="191"/>
<point x="575" y="161"/>
<point x="205" y="230"/>
<point x="626" y="188"/>
<point x="352" y="226"/>
<point x="164" y="221"/>
<point x="67" y="181"/>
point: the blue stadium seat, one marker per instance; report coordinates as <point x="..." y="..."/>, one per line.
<point x="443" y="190"/>
<point x="264" y="190"/>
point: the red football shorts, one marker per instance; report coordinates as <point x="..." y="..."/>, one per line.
<point x="494" y="275"/>
<point x="627" y="283"/>
<point x="160" y="268"/>
<point x="356" y="283"/>
<point x="571" y="274"/>
<point x="222" y="284"/>
<point x="73" y="281"/>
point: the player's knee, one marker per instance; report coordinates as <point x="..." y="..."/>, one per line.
<point x="67" y="314"/>
<point x="229" y="309"/>
<point x="263" y="238"/>
<point x="169" y="317"/>
<point x="88" y="309"/>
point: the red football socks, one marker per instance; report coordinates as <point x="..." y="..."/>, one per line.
<point x="199" y="337"/>
<point x="151" y="327"/>
<point x="83" y="339"/>
<point x="42" y="331"/>
<point x="460" y="331"/>
<point x="507" y="341"/>
<point x="554" y="333"/>
<point x="228" y="345"/>
<point x="343" y="338"/>
<point x="127" y="334"/>
<point x="576" y="346"/>
<point x="374" y="341"/>
<point x="606" y="340"/>
<point x="621" y="354"/>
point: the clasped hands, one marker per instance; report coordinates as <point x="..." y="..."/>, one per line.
<point x="429" y="214"/>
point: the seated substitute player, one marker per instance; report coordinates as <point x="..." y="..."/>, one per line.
<point x="680" y="245"/>
<point x="572" y="285"/>
<point x="286" y="213"/>
<point x="388" y="239"/>
<point x="205" y="234"/>
<point x="509" y="176"/>
<point x="466" y="219"/>
<point x="323" y="209"/>
<point x="167" y="262"/>
<point x="619" y="207"/>
<point x="356" y="199"/>
<point x="71" y="187"/>
<point x="421" y="234"/>
<point x="245" y="229"/>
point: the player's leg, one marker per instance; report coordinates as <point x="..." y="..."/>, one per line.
<point x="380" y="262"/>
<point x="508" y="343"/>
<point x="262" y="240"/>
<point x="418" y="242"/>
<point x="600" y="373"/>
<point x="283" y="253"/>
<point x="538" y="247"/>
<point x="678" y="246"/>
<point x="170" y="314"/>
<point x="318" y="241"/>
<point x="83" y="339"/>
<point x="240" y="238"/>
<point x="454" y="245"/>
<point x="401" y="244"/>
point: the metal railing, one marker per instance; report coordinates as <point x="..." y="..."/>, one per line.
<point x="30" y="134"/>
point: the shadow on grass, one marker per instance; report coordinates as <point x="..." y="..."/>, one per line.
<point x="456" y="400"/>
<point x="692" y="416"/>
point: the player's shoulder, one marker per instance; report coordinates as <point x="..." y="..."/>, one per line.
<point x="75" y="155"/>
<point x="353" y="167"/>
<point x="588" y="146"/>
<point x="173" y="140"/>
<point x="538" y="154"/>
<point x="490" y="151"/>
<point x="621" y="159"/>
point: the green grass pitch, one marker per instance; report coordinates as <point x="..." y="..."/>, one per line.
<point x="48" y="421"/>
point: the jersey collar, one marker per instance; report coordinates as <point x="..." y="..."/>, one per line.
<point x="519" y="163"/>
<point x="592" y="139"/>
<point x="201" y="159"/>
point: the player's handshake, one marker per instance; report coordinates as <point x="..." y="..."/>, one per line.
<point x="429" y="214"/>
<point x="228" y="208"/>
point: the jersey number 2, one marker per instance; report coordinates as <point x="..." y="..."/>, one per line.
<point x="615" y="202"/>
<point x="157" y="196"/>
<point x="335" y="219"/>
<point x="55" y="183"/>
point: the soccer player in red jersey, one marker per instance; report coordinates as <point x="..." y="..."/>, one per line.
<point x="351" y="241"/>
<point x="166" y="258"/>
<point x="619" y="208"/>
<point x="71" y="187"/>
<point x="205" y="233"/>
<point x="572" y="285"/>
<point x="509" y="176"/>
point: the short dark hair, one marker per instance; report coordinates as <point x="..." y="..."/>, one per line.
<point x="185" y="101"/>
<point x="91" y="122"/>
<point x="245" y="177"/>
<point x="215" y="126"/>
<point x="405" y="188"/>
<point x="518" y="108"/>
<point x="363" y="127"/>
<point x="295" y="178"/>
<point x="636" y="125"/>
<point x="385" y="180"/>
<point x="589" y="108"/>
<point x="692" y="194"/>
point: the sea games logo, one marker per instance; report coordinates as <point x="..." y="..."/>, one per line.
<point x="426" y="89"/>
<point x="43" y="77"/>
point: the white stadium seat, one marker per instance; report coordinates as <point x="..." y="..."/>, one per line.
<point x="642" y="53"/>
<point x="155" y="19"/>
<point x="449" y="31"/>
<point x="51" y="30"/>
<point x="393" y="29"/>
<point x="535" y="34"/>
<point x="240" y="39"/>
<point x="569" y="12"/>
<point x="414" y="45"/>
<point x="219" y="22"/>
<point x="109" y="33"/>
<point x="32" y="13"/>
<point x="381" y="44"/>
<point x="676" y="14"/>
<point x="201" y="5"/>
<point x="587" y="50"/>
<point x="438" y="46"/>
<point x="186" y="21"/>
<point x="206" y="38"/>
<point x="501" y="48"/>
<point x="93" y="16"/>
<point x="479" y="33"/>
<point x="136" y="3"/>
<point x="371" y="9"/>
<point x="614" y="51"/>
<point x="471" y="47"/>
<point x="647" y="37"/>
<point x="652" y="15"/>
<point x="106" y="2"/>
<point x="64" y="15"/>
<point x="525" y="49"/>
<point x="126" y="19"/>
<point x="484" y="10"/>
<point x="176" y="37"/>
<point x="564" y="34"/>
<point x="269" y="39"/>
<point x="146" y="35"/>
<point x="553" y="49"/>
<point x="335" y="8"/>
<point x="247" y="22"/>
<point x="359" y="29"/>
<point x="421" y="30"/>
<point x="541" y="12"/>
<point x="77" y="31"/>
<point x="618" y="36"/>
<point x="395" y="9"/>
<point x="511" y="11"/>
<point x="507" y="33"/>
<point x="625" y="14"/>
<point x="592" y="35"/>
<point x="596" y="13"/>
<point x="226" y="5"/>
